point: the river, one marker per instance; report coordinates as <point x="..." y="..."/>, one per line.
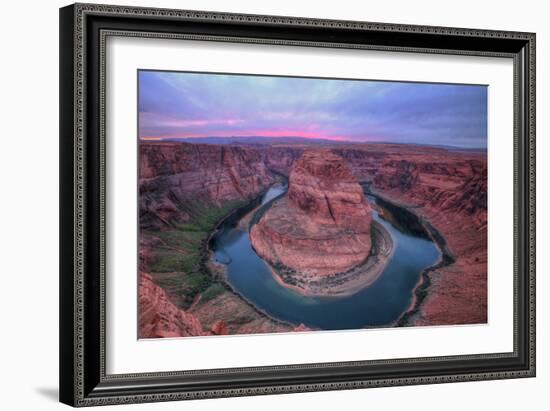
<point x="379" y="304"/>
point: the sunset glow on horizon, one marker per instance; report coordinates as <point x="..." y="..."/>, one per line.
<point x="179" y="105"/>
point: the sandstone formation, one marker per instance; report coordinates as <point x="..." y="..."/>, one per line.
<point x="280" y="158"/>
<point x="158" y="317"/>
<point x="176" y="177"/>
<point x="323" y="226"/>
<point x="219" y="328"/>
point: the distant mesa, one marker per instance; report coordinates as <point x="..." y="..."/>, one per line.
<point x="248" y="140"/>
<point x="322" y="226"/>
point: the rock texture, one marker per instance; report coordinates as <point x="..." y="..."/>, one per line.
<point x="323" y="186"/>
<point x="280" y="158"/>
<point x="175" y="177"/>
<point x="238" y="317"/>
<point x="158" y="317"/>
<point x="323" y="226"/>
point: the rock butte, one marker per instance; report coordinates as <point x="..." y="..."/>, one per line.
<point x="323" y="225"/>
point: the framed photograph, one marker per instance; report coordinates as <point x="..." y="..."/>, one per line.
<point x="261" y="204"/>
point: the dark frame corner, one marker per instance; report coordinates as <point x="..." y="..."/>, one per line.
<point x="83" y="380"/>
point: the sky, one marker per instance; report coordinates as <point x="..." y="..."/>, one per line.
<point x="183" y="105"/>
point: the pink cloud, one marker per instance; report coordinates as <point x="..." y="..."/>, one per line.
<point x="251" y="133"/>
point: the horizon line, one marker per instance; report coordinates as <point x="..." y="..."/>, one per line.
<point x="327" y="139"/>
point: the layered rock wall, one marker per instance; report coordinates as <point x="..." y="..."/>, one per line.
<point x="176" y="177"/>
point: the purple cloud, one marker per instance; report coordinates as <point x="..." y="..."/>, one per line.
<point x="173" y="104"/>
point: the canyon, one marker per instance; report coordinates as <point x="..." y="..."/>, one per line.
<point x="187" y="189"/>
<point x="447" y="188"/>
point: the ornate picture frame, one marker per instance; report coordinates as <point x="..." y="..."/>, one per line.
<point x="84" y="30"/>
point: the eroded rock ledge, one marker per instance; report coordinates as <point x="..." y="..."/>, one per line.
<point x="158" y="317"/>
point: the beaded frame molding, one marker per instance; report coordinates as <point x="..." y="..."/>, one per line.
<point x="84" y="29"/>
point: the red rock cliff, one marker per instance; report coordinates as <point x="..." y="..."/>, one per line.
<point x="323" y="186"/>
<point x="158" y="317"/>
<point x="177" y="176"/>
